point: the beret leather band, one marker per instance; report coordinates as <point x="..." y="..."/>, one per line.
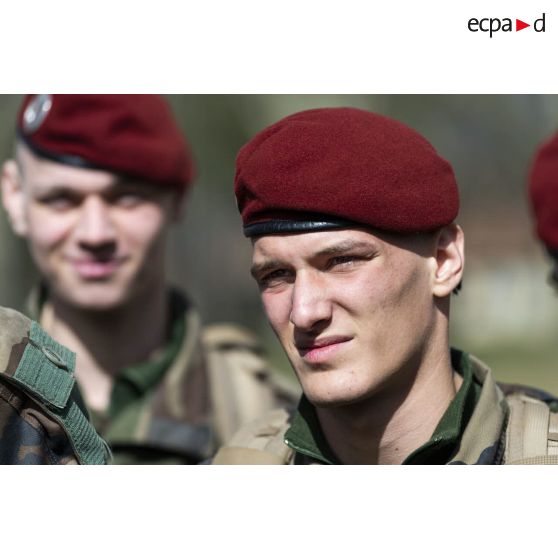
<point x="65" y="159"/>
<point x="287" y="227"/>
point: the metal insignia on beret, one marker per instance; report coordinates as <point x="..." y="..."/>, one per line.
<point x="36" y="112"/>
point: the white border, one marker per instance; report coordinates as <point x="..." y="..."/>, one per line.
<point x="292" y="46"/>
<point x="256" y="47"/>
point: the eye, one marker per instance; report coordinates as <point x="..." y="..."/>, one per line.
<point x="128" y="199"/>
<point x="59" y="202"/>
<point x="275" y="278"/>
<point x="344" y="262"/>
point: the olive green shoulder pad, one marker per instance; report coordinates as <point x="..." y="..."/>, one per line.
<point x="244" y="386"/>
<point x="39" y="372"/>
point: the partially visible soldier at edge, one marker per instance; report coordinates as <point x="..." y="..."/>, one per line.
<point x="356" y="254"/>
<point x="543" y="197"/>
<point x="542" y="191"/>
<point x="96" y="182"/>
<point x="42" y="419"/>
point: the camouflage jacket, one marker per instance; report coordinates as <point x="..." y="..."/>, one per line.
<point x="192" y="396"/>
<point x="482" y="426"/>
<point x="41" y="420"/>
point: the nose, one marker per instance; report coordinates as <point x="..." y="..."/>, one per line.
<point x="95" y="228"/>
<point x="310" y="305"/>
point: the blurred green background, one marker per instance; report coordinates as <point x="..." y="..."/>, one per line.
<point x="506" y="314"/>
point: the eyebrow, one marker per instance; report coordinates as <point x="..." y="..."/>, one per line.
<point x="344" y="246"/>
<point x="332" y="250"/>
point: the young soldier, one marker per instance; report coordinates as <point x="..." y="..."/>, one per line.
<point x="543" y="195"/>
<point x="41" y="417"/>
<point x="356" y="254"/>
<point x="96" y="182"/>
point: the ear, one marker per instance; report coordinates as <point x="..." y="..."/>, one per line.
<point x="13" y="197"/>
<point x="450" y="260"/>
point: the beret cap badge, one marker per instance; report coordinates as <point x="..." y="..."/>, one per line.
<point x="36" y="112"/>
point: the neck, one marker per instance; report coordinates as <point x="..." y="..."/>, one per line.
<point x="107" y="341"/>
<point x="385" y="428"/>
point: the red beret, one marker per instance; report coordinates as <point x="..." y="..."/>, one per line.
<point x="133" y="135"/>
<point x="328" y="168"/>
<point x="543" y="192"/>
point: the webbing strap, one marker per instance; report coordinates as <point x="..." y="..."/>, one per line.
<point x="531" y="429"/>
<point x="553" y="427"/>
<point x="538" y="460"/>
<point x="46" y="370"/>
<point x="90" y="448"/>
<point x="553" y="434"/>
<point x="535" y="437"/>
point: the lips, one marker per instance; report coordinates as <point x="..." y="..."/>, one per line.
<point x="323" y="349"/>
<point x="95" y="269"/>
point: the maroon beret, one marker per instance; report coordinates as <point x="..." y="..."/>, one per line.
<point x="543" y="192"/>
<point x="132" y="135"/>
<point x="335" y="167"/>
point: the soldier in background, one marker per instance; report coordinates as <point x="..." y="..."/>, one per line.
<point x="96" y="182"/>
<point x="42" y="419"/>
<point x="356" y="255"/>
<point x="543" y="196"/>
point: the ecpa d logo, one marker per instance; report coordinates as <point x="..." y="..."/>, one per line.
<point x="492" y="25"/>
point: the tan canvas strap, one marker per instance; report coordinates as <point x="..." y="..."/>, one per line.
<point x="246" y="456"/>
<point x="553" y="435"/>
<point x="532" y="432"/>
<point x="259" y="443"/>
<point x="241" y="384"/>
<point x="539" y="460"/>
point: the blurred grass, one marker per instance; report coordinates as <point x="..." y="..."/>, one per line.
<point x="532" y="363"/>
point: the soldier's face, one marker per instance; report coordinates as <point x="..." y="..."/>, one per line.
<point x="97" y="240"/>
<point x="351" y="309"/>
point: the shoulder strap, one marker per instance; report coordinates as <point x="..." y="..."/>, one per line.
<point x="46" y="370"/>
<point x="532" y="432"/>
<point x="42" y="369"/>
<point x="259" y="443"/>
<point x="243" y="386"/>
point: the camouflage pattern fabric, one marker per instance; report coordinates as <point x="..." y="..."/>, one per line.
<point x="192" y="396"/>
<point x="216" y="381"/>
<point x="41" y="421"/>
<point x="490" y="437"/>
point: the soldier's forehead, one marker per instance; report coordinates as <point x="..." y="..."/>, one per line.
<point x="42" y="174"/>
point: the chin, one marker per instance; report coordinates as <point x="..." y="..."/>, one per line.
<point x="94" y="297"/>
<point x="334" y="389"/>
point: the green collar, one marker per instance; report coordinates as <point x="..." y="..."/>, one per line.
<point x="305" y="435"/>
<point x="137" y="379"/>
